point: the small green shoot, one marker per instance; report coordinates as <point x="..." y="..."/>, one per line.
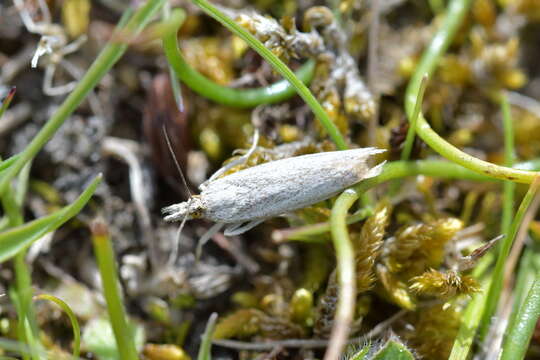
<point x="72" y="318"/>
<point x="206" y="341"/>
<point x="409" y="140"/>
<point x="346" y="273"/>
<point x="111" y="291"/>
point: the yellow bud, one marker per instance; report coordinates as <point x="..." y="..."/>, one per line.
<point x="406" y="66"/>
<point x="301" y="306"/>
<point x="165" y="352"/>
<point x="513" y="79"/>
<point x="75" y="16"/>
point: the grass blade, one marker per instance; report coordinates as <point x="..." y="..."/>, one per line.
<point x="111" y="290"/>
<point x="72" y="318"/>
<point x="206" y="343"/>
<point x="19" y="238"/>
<point x="517" y="338"/>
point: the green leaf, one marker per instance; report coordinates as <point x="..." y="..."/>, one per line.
<point x="206" y="342"/>
<point x="8" y="162"/>
<point x="19" y="238"/>
<point x="98" y="337"/>
<point x="393" y="350"/>
<point x="358" y="353"/>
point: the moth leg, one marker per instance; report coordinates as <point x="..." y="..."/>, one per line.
<point x="234" y="163"/>
<point x="241" y="227"/>
<point x="206" y="236"/>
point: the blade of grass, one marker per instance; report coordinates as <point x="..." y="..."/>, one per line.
<point x="72" y="318"/>
<point x="497" y="275"/>
<point x="280" y="67"/>
<point x="524" y="280"/>
<point x="509" y="159"/>
<point x="470" y="320"/>
<point x="409" y="140"/>
<point x="8" y="162"/>
<point x="17" y="239"/>
<point x="517" y="338"/>
<point x="103" y="63"/>
<point x="206" y="341"/>
<point x="111" y="290"/>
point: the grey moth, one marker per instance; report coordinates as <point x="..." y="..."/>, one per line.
<point x="246" y="198"/>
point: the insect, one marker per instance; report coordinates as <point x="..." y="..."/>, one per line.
<point x="246" y="198"/>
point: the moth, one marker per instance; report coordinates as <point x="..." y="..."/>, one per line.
<point x="244" y="199"/>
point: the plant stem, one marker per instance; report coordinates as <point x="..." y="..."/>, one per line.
<point x="280" y="67"/>
<point x="346" y="274"/>
<point x="206" y="341"/>
<point x="409" y="140"/>
<point x="457" y="10"/>
<point x="242" y="98"/>
<point x="103" y="63"/>
<point x="111" y="290"/>
<point x="27" y="327"/>
<point x="308" y="233"/>
<point x="509" y="158"/>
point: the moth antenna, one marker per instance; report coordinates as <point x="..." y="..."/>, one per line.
<point x="169" y="146"/>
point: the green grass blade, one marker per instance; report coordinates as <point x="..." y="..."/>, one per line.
<point x="111" y="290"/>
<point x="409" y="140"/>
<point x="517" y="338"/>
<point x="19" y="238"/>
<point x="469" y="324"/>
<point x="72" y="318"/>
<point x="8" y="162"/>
<point x="206" y="341"/>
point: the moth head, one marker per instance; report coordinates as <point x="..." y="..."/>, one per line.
<point x="191" y="209"/>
